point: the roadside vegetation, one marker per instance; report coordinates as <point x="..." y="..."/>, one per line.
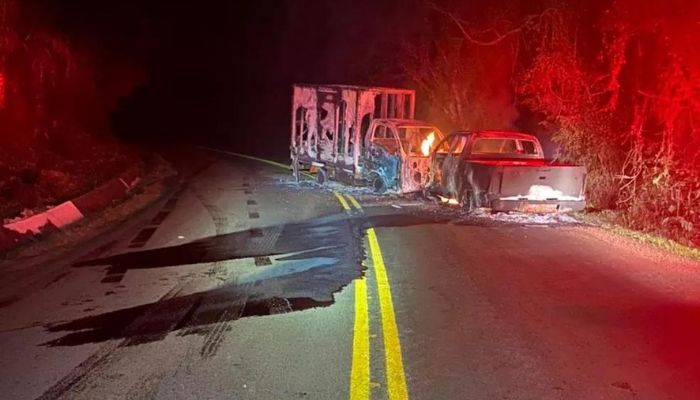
<point x="55" y="99"/>
<point x="615" y="85"/>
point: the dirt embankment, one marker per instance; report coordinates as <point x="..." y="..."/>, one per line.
<point x="33" y="180"/>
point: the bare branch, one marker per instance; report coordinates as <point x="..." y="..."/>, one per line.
<point x="499" y="36"/>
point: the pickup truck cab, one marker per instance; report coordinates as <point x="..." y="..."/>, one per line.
<point x="503" y="171"/>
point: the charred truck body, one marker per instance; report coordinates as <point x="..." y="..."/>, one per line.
<point x="360" y="135"/>
<point x="504" y="171"/>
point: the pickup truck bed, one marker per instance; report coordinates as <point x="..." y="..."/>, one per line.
<point x="530" y="187"/>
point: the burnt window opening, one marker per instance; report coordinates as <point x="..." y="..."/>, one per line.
<point x="407" y="106"/>
<point x="391" y="105"/>
<point x="399" y="107"/>
<point x="324" y="122"/>
<point x="301" y="130"/>
<point x="412" y="139"/>
<point x="378" y="106"/>
<point x="351" y="142"/>
<point x="341" y="127"/>
<point x="384" y="137"/>
<point x="380" y="132"/>
<point x="364" y="127"/>
<point x="494" y="146"/>
<point x="322" y="113"/>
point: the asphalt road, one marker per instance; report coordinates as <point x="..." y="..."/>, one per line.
<point x="243" y="284"/>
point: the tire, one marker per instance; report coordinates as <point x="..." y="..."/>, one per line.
<point x="295" y="169"/>
<point x="469" y="202"/>
<point x="321" y="176"/>
<point x="378" y="184"/>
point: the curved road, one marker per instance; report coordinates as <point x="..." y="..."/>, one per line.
<point x="245" y="285"/>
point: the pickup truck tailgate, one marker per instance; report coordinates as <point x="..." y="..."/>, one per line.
<point x="546" y="182"/>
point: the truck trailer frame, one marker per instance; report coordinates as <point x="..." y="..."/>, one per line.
<point x="329" y="124"/>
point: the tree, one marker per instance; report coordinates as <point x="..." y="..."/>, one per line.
<point x="617" y="85"/>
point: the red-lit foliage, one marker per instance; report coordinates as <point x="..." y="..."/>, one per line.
<point x="53" y="117"/>
<point x="617" y="85"/>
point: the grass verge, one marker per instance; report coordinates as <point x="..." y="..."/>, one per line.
<point x="605" y="222"/>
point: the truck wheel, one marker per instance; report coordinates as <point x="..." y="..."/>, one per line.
<point x="321" y="176"/>
<point x="469" y="202"/>
<point x="295" y="169"/>
<point x="378" y="184"/>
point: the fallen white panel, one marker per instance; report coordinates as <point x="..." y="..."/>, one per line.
<point x="61" y="215"/>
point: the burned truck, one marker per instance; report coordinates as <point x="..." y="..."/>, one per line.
<point x="361" y="136"/>
<point x="503" y="171"/>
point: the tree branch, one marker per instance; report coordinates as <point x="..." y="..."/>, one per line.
<point x="499" y="36"/>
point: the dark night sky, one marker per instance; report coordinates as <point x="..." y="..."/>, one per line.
<point x="220" y="71"/>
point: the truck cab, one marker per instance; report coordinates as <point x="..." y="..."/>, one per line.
<point x="396" y="154"/>
<point x="361" y="135"/>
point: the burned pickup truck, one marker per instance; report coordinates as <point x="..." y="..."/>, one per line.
<point x="361" y="136"/>
<point x="503" y="171"/>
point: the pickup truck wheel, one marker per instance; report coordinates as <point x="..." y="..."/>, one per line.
<point x="468" y="202"/>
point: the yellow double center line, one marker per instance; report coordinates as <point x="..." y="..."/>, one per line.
<point x="360" y="373"/>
